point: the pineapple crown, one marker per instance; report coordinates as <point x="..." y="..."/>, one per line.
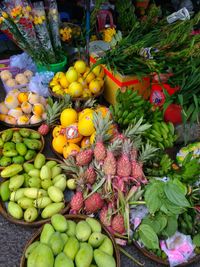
<point x="90" y="103"/>
<point x="137" y="128"/>
<point x="101" y="126"/>
<point x="54" y="109"/>
<point x="69" y="166"/>
<point x="147" y="152"/>
<point x="115" y="146"/>
<point x="127" y="145"/>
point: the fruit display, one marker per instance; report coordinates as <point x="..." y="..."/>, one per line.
<point x="131" y="107"/>
<point x="34" y="191"/>
<point x="80" y="81"/>
<point x="19" y="145"/>
<point x="23" y="108"/>
<point x="72" y="241"/>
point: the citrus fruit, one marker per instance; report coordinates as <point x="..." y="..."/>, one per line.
<point x="80" y="66"/>
<point x="84" y="112"/>
<point x="72" y="133"/>
<point x="56" y="130"/>
<point x="100" y="80"/>
<point x="59" y="75"/>
<point x="54" y="83"/>
<point x="87" y="93"/>
<point x="85" y="143"/>
<point x="103" y="110"/>
<point x="64" y="82"/>
<point x="59" y="142"/>
<point x="68" y="116"/>
<point x="66" y="90"/>
<point x="95" y="86"/>
<point x="89" y="76"/>
<point x="75" y="89"/>
<point x="56" y="88"/>
<point x="86" y="125"/>
<point x="22" y="97"/>
<point x="92" y="138"/>
<point x="38" y="109"/>
<point x="97" y="70"/>
<point x="70" y="149"/>
<point x="72" y="75"/>
<point x="82" y="81"/>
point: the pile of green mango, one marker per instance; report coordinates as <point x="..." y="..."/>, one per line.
<point x="18" y="146"/>
<point x="65" y="243"/>
<point x="33" y="189"/>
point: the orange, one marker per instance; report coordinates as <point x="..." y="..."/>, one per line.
<point x="22" y="97"/>
<point x="58" y="143"/>
<point x="56" y="130"/>
<point x="70" y="149"/>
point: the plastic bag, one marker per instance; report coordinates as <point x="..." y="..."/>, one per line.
<point x="23" y="62"/>
<point x="137" y="214"/>
<point x="40" y="82"/>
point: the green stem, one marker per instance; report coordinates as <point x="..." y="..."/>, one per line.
<point x="137" y="203"/>
<point x="130" y="257"/>
<point x="121" y="236"/>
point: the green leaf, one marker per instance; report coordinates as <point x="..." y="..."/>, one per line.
<point x="152" y="196"/>
<point x="182" y="187"/>
<point x="175" y="195"/>
<point x="171" y="228"/>
<point x="148" y="237"/>
<point x="157" y="223"/>
<point x="196" y="240"/>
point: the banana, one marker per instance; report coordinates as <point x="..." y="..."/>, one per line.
<point x="125" y="114"/>
<point x="139" y="103"/>
<point x="156" y="134"/>
<point x="160" y="145"/>
<point x="156" y="127"/>
<point x="171" y="128"/>
<point x="164" y="126"/>
<point x="164" y="134"/>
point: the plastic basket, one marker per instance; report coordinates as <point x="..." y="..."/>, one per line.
<point x="61" y="66"/>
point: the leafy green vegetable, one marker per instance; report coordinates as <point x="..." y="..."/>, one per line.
<point x="152" y="196"/>
<point x="148" y="237"/>
<point x="196" y="240"/>
<point x="157" y="222"/>
<point x="171" y="228"/>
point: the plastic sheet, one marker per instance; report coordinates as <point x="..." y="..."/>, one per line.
<point x="40" y="82"/>
<point x="23" y="62"/>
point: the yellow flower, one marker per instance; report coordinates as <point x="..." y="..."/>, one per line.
<point x="43" y="18"/>
<point x="4" y="15"/>
<point x="35" y="20"/>
<point x="1" y="20"/>
<point x="39" y="20"/>
<point x="28" y="8"/>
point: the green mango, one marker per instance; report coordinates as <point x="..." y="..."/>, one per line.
<point x="30" y="248"/>
<point x="56" y="243"/>
<point x="34" y="193"/>
<point x="28" y="166"/>
<point x="18" y="159"/>
<point x="34" y="173"/>
<point x="16" y="182"/>
<point x="51" y="163"/>
<point x="45" y="184"/>
<point x="94" y="224"/>
<point x="46" y="233"/>
<point x="5" y="161"/>
<point x="62" y="260"/>
<point x="26" y="179"/>
<point x="25" y="132"/>
<point x="10" y="153"/>
<point x="16" y="195"/>
<point x="30" y="214"/>
<point x="96" y="239"/>
<point x="71" y="230"/>
<point x="7" y="135"/>
<point x="64" y="237"/>
<point x="25" y="203"/>
<point x="55" y="194"/>
<point x="39" y="161"/>
<point x="92" y="265"/>
<point x="5" y="191"/>
<point x="71" y="247"/>
<point x="84" y="256"/>
<point x="59" y="223"/>
<point x="52" y="209"/>
<point x="45" y="173"/>
<point x="55" y="171"/>
<point x="21" y="149"/>
<point x="34" y="182"/>
<point x="32" y="144"/>
<point x="11" y="170"/>
<point x="83" y="231"/>
<point x="41" y="256"/>
<point x="42" y="202"/>
<point x="15" y="210"/>
<point x="9" y="146"/>
<point x="103" y="259"/>
<point x="35" y="135"/>
<point x="107" y="246"/>
<point x="30" y="154"/>
<point x="1" y="143"/>
<point x="17" y="138"/>
<point x="60" y="181"/>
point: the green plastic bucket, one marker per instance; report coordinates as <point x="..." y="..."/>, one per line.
<point x="61" y="66"/>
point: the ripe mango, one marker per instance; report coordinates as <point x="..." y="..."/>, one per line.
<point x="64" y="237"/>
<point x="45" y="184"/>
<point x="16" y="195"/>
<point x="71" y="230"/>
<point x="94" y="224"/>
<point x="84" y="256"/>
<point x="16" y="182"/>
<point x="62" y="260"/>
<point x="5" y="191"/>
<point x="25" y="203"/>
<point x="59" y="223"/>
<point x="96" y="239"/>
<point x="15" y="210"/>
<point x="56" y="243"/>
<point x="107" y="246"/>
<point x="28" y="166"/>
<point x="42" y="256"/>
<point x="52" y="209"/>
<point x="55" y="171"/>
<point x="55" y="194"/>
<point x="45" y="173"/>
<point x="30" y="214"/>
<point x="21" y="149"/>
<point x="34" y="182"/>
<point x="42" y="202"/>
<point x="35" y="193"/>
<point x="39" y="161"/>
<point x="60" y="181"/>
<point x="11" y="170"/>
<point x="71" y="247"/>
<point x="31" y="248"/>
<point x="51" y="163"/>
<point x="83" y="231"/>
<point x="46" y="233"/>
<point x="34" y="173"/>
<point x="103" y="259"/>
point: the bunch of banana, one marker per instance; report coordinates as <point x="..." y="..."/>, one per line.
<point x="161" y="135"/>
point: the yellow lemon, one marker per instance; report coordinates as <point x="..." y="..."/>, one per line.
<point x="58" y="143"/>
<point x="38" y="109"/>
<point x="84" y="112"/>
<point x="75" y="89"/>
<point x="56" y="130"/>
<point x="59" y="75"/>
<point x="56" y="88"/>
<point x="22" y="97"/>
<point x="87" y="93"/>
<point x="89" y="76"/>
<point x="103" y="110"/>
<point x="68" y="116"/>
<point x="53" y="83"/>
<point x="66" y="90"/>
<point x="70" y="149"/>
<point x="80" y="66"/>
<point x="97" y="70"/>
<point x="86" y="125"/>
<point x="72" y="133"/>
<point x="100" y="80"/>
<point x="92" y="138"/>
<point x="95" y="86"/>
<point x="64" y="82"/>
<point x="85" y="143"/>
<point x="72" y="75"/>
<point x="82" y="81"/>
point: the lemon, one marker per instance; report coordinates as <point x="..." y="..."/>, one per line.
<point x="68" y="116"/>
<point x="66" y="90"/>
<point x="80" y="66"/>
<point x="82" y="81"/>
<point x="56" y="88"/>
<point x="72" y="75"/>
<point x="92" y="138"/>
<point x="70" y="149"/>
<point x="87" y="93"/>
<point x="89" y="76"/>
<point x="100" y="80"/>
<point x="84" y="112"/>
<point x="56" y="130"/>
<point x="64" y="82"/>
<point x="58" y="143"/>
<point x="97" y="70"/>
<point x="59" y="75"/>
<point x="75" y="89"/>
<point x="86" y="125"/>
<point x="95" y="86"/>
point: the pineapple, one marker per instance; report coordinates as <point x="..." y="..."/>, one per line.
<point x="53" y="113"/>
<point x="124" y="163"/>
<point x="102" y="126"/>
<point x="136" y="129"/>
<point x="90" y="103"/>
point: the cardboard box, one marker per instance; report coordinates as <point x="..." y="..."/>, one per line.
<point x="114" y="81"/>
